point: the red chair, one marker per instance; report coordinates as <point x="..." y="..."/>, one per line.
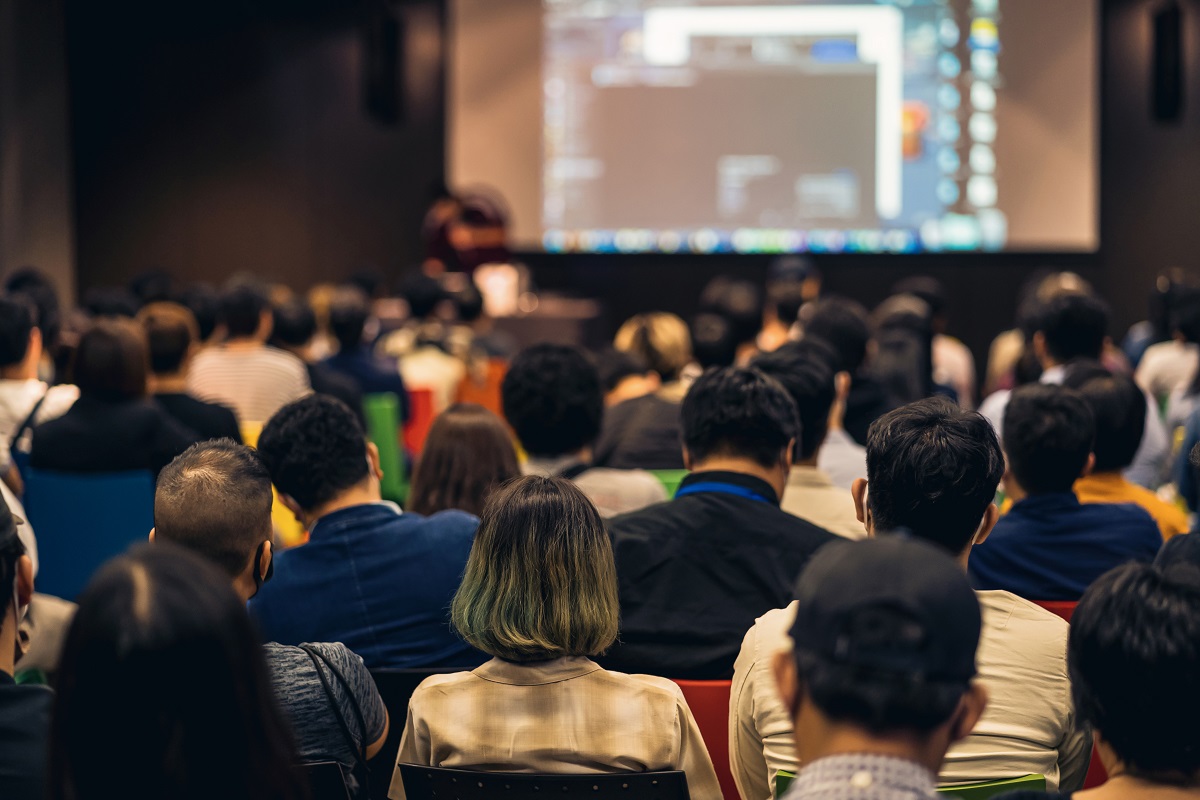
<point x="1062" y="608"/>
<point x="709" y="701"/>
<point x="1096" y="774"/>
<point x="420" y="419"/>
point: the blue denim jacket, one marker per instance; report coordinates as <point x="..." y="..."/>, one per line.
<point x="377" y="580"/>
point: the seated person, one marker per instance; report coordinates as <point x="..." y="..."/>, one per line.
<point x="215" y="500"/>
<point x="400" y="569"/>
<point x="1119" y="408"/>
<point x="933" y="472"/>
<point x="25" y="709"/>
<point x="112" y="427"/>
<point x="243" y="372"/>
<point x="625" y="376"/>
<point x="643" y="432"/>
<point x="540" y="595"/>
<point x="810" y="493"/>
<point x="161" y="661"/>
<point x="422" y="345"/>
<point x="881" y="677"/>
<point x="25" y="400"/>
<point x="349" y="311"/>
<point x="1049" y="546"/>
<point x="173" y="338"/>
<point x="694" y="573"/>
<point x="468" y="454"/>
<point x="294" y="331"/>
<point x="553" y="401"/>
<point x="1134" y="656"/>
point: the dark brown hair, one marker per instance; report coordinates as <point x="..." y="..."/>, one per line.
<point x="112" y="360"/>
<point x="469" y="453"/>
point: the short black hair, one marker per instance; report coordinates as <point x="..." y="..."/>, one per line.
<point x="204" y="302"/>
<point x="112" y="360"/>
<point x="171" y="331"/>
<point x="1185" y="313"/>
<point x="315" y="449"/>
<point x="713" y="342"/>
<point x="739" y="301"/>
<point x="615" y="366"/>
<point x="423" y="294"/>
<point x="1048" y="435"/>
<point x="552" y="398"/>
<point x="1119" y="411"/>
<point x="845" y="325"/>
<point x="295" y="323"/>
<point x="348" y="315"/>
<point x="1133" y="656"/>
<point x="38" y="287"/>
<point x="215" y="500"/>
<point x="927" y="288"/>
<point x="932" y="469"/>
<point x="17" y="321"/>
<point x="110" y="301"/>
<point x="808" y="378"/>
<point x="241" y="308"/>
<point x="739" y="411"/>
<point x="469" y="302"/>
<point x="1074" y="325"/>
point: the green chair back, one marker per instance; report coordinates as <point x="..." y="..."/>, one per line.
<point x="670" y="479"/>
<point x="382" y="412"/>
<point x="973" y="791"/>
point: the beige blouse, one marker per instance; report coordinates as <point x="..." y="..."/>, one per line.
<point x="567" y="716"/>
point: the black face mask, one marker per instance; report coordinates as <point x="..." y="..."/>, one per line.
<point x="259" y="578"/>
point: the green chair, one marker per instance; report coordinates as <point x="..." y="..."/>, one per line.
<point x="972" y="791"/>
<point x="670" y="479"/>
<point x="382" y="412"/>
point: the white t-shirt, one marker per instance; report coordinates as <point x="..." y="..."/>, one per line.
<point x="1029" y="726"/>
<point x="255" y="382"/>
<point x="17" y="399"/>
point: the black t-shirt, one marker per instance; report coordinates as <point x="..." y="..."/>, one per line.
<point x="642" y="433"/>
<point x="24" y="738"/>
<point x="208" y="420"/>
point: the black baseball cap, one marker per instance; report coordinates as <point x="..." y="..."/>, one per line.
<point x="845" y="587"/>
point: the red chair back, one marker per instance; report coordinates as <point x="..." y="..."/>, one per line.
<point x="1096" y="774"/>
<point x="709" y="702"/>
<point x="420" y="419"/>
<point x="1062" y="608"/>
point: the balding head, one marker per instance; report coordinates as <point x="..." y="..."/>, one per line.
<point x="215" y="500"/>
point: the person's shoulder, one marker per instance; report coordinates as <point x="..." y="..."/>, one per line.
<point x="446" y="685"/>
<point x="634" y="479"/>
<point x="282" y="360"/>
<point x="648" y="685"/>
<point x="802" y="528"/>
<point x="1003" y="610"/>
<point x="450" y="522"/>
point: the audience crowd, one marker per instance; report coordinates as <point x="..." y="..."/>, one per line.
<point x="788" y="500"/>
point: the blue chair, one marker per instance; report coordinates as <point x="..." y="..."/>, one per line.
<point x="84" y="519"/>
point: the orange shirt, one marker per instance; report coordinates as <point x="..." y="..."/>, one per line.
<point x="1111" y="487"/>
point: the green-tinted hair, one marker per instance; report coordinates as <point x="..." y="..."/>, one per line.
<point x="540" y="582"/>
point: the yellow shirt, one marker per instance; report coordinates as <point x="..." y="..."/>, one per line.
<point x="1111" y="487"/>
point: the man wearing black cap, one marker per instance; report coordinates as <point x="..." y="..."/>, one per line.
<point x="24" y="710"/>
<point x="879" y="681"/>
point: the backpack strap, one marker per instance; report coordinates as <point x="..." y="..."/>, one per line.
<point x="360" y="753"/>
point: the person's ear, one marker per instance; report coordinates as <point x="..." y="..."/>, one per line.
<point x="153" y="531"/>
<point x="970" y="709"/>
<point x="990" y="517"/>
<point x="786" y="681"/>
<point x="266" y="323"/>
<point x="1088" y="466"/>
<point x="789" y="456"/>
<point x="687" y="459"/>
<point x="35" y="339"/>
<point x="265" y="560"/>
<point x="292" y="506"/>
<point x="1039" y="345"/>
<point x="858" y="490"/>
<point x="373" y="461"/>
<point x="24" y="580"/>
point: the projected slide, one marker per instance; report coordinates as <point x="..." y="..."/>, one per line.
<point x="755" y="126"/>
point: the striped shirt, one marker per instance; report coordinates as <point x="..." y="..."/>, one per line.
<point x="254" y="382"/>
<point x="567" y="716"/>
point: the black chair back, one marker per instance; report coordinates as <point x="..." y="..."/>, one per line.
<point x="427" y="783"/>
<point x="396" y="687"/>
<point x="326" y="780"/>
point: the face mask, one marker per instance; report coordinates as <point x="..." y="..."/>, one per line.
<point x="259" y="578"/>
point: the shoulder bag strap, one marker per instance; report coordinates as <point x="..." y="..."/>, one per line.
<point x="360" y="754"/>
<point x="28" y="423"/>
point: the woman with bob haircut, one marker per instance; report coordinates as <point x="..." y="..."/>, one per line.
<point x="163" y="690"/>
<point x="113" y="426"/>
<point x="1134" y="659"/>
<point x="540" y="595"/>
<point x="468" y="454"/>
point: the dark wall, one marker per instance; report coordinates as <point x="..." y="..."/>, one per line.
<point x="235" y="137"/>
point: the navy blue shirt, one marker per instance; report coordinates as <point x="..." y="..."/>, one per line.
<point x="1051" y="547"/>
<point x="373" y="374"/>
<point x="377" y="580"/>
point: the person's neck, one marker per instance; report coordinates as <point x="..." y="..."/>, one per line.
<point x="745" y="466"/>
<point x="244" y="343"/>
<point x="840" y="740"/>
<point x="19" y="372"/>
<point x="172" y="383"/>
<point x="363" y="494"/>
<point x="8" y="642"/>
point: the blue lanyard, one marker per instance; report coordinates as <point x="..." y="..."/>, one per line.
<point x="722" y="488"/>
